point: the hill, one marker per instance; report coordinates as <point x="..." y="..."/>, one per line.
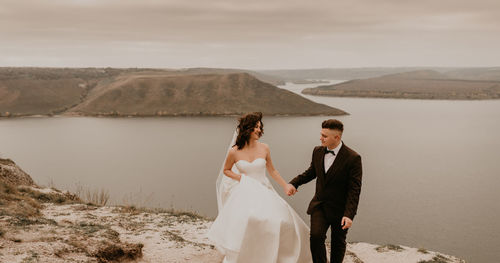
<point x="146" y="92"/>
<point x="420" y="84"/>
<point x="474" y="73"/>
<point x="48" y="91"/>
<point x="185" y="95"/>
<point x="311" y="75"/>
<point x="271" y="79"/>
<point x="299" y="75"/>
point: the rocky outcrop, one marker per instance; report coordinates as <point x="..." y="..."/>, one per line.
<point x="28" y="234"/>
<point x="12" y="174"/>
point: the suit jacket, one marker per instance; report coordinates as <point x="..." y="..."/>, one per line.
<point x="338" y="189"/>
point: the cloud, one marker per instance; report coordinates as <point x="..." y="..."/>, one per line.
<point x="351" y="27"/>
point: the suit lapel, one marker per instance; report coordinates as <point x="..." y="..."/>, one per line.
<point x="339" y="161"/>
<point x="322" y="161"/>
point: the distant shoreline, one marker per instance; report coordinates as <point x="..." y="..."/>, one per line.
<point x="380" y="96"/>
<point x="160" y="116"/>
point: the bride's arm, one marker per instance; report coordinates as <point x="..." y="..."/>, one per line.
<point x="272" y="171"/>
<point x="228" y="165"/>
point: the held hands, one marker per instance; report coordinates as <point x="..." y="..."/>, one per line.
<point x="290" y="189"/>
<point x="346" y="223"/>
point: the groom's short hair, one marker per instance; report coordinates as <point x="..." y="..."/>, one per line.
<point x="333" y="124"/>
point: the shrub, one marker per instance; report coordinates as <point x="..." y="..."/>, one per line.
<point x="423" y="251"/>
<point x="437" y="259"/>
<point x="389" y="247"/>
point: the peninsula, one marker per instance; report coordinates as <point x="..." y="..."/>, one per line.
<point x="420" y="84"/>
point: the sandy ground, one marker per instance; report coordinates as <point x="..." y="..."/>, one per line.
<point x="166" y="237"/>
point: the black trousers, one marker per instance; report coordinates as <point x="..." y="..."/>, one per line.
<point x="319" y="227"/>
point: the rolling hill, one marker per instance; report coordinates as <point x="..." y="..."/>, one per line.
<point x="186" y="95"/>
<point x="420" y="84"/>
<point x="48" y="91"/>
<point x="146" y="92"/>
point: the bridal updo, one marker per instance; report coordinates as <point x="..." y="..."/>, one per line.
<point x="246" y="125"/>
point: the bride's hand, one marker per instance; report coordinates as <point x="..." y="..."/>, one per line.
<point x="289" y="189"/>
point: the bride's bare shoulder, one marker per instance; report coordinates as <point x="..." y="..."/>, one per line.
<point x="232" y="151"/>
<point x="264" y="146"/>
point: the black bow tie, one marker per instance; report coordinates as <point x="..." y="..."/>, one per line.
<point x="332" y="152"/>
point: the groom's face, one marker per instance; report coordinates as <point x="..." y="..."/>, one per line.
<point x="330" y="138"/>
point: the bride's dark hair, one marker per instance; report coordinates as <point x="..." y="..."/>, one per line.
<point x="246" y="124"/>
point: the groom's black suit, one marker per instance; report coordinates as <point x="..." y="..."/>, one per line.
<point x="337" y="195"/>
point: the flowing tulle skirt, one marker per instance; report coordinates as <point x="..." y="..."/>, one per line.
<point x="257" y="225"/>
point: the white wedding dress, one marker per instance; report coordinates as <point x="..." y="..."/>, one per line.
<point x="255" y="224"/>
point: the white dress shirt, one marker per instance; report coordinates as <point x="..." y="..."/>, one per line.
<point x="330" y="158"/>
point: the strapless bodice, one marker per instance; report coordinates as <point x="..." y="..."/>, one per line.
<point x="255" y="169"/>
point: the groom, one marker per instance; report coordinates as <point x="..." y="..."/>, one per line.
<point x="337" y="169"/>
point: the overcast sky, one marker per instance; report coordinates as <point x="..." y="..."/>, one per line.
<point x="253" y="34"/>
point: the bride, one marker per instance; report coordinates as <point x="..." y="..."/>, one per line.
<point x="254" y="223"/>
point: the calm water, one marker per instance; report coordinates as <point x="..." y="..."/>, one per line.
<point x="431" y="168"/>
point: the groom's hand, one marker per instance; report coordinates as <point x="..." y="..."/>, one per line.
<point x="290" y="190"/>
<point x="346" y="223"/>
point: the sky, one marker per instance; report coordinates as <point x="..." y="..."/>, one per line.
<point x="256" y="34"/>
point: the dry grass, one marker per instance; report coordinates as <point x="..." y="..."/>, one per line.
<point x="103" y="250"/>
<point x="7" y="188"/>
<point x="423" y="251"/>
<point x="436" y="259"/>
<point x="23" y="223"/>
<point x="188" y="216"/>
<point x="98" y="197"/>
<point x="89" y="228"/>
<point x="61" y="252"/>
<point x="112" y="252"/>
<point x="26" y="221"/>
<point x="16" y="203"/>
<point x="388" y="247"/>
<point x="32" y="257"/>
<point x="56" y="197"/>
<point x="23" y="204"/>
<point x="137" y="199"/>
<point x="354" y="257"/>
